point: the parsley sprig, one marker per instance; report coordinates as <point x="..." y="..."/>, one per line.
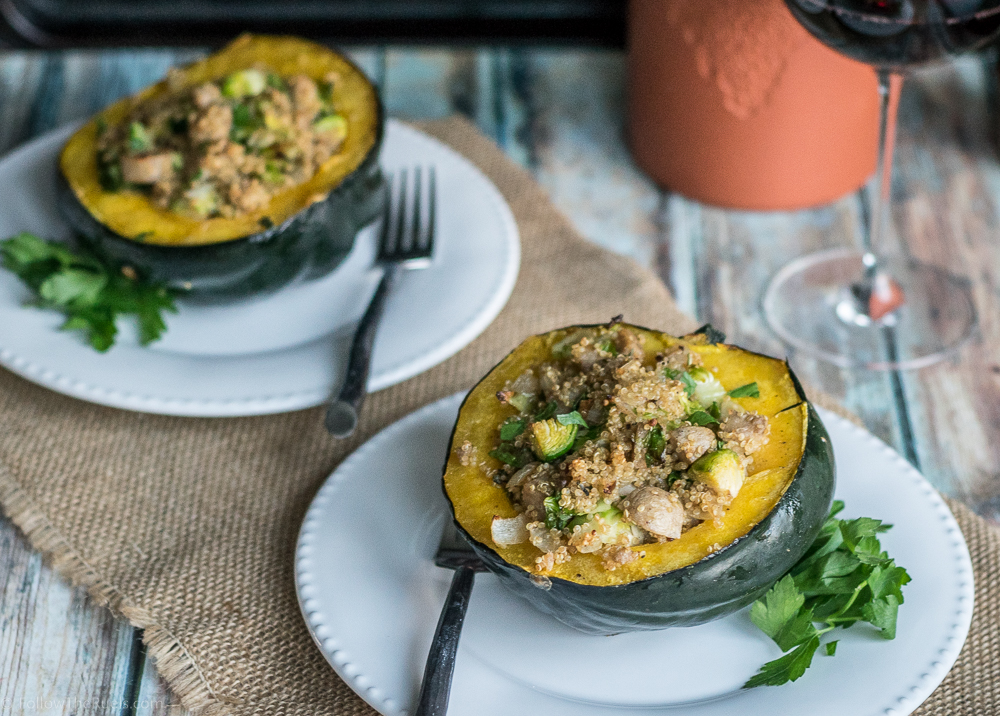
<point x="88" y="292"/>
<point x="843" y="579"/>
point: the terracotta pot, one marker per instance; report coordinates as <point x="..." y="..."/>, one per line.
<point x="733" y="103"/>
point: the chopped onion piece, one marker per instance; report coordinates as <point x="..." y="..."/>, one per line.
<point x="509" y="531"/>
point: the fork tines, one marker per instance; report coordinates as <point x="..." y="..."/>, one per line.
<point x="408" y="226"/>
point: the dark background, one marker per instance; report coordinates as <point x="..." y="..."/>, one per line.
<point x="100" y="23"/>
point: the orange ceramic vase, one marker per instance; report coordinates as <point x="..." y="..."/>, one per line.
<point x="733" y="103"/>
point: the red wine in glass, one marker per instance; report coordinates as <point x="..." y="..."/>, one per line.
<point x="862" y="307"/>
<point x="899" y="33"/>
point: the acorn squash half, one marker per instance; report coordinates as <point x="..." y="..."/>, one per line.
<point x="712" y="570"/>
<point x="305" y="230"/>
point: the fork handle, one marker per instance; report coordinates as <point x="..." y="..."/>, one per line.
<point x="342" y="413"/>
<point x="435" y="689"/>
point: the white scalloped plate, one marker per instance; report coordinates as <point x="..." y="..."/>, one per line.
<point x="287" y="350"/>
<point x="371" y="598"/>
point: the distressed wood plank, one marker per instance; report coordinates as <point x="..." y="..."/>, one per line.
<point x="570" y="104"/>
<point x="152" y="697"/>
<point x="20" y="75"/>
<point x="429" y="83"/>
<point x="947" y="184"/>
<point x="421" y="84"/>
<point x="59" y="652"/>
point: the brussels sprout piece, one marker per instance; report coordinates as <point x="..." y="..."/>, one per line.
<point x="244" y="83"/>
<point x="721" y="470"/>
<point x="333" y="124"/>
<point x="553" y="439"/>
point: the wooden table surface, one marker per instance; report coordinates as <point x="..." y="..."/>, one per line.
<point x="560" y="114"/>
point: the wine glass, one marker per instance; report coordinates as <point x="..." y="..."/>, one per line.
<point x="877" y="307"/>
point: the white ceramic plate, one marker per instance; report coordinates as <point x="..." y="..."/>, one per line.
<point x="371" y="597"/>
<point x="280" y="352"/>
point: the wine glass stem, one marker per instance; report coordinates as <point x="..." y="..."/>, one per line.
<point x="889" y="84"/>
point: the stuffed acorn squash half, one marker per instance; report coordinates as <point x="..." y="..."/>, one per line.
<point x="621" y="479"/>
<point x="234" y="175"/>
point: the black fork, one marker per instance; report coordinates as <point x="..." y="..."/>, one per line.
<point x="406" y="242"/>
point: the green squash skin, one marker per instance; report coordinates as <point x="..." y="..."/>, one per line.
<point x="308" y="245"/>
<point x="714" y="587"/>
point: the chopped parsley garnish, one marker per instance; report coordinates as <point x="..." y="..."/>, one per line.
<point x="702" y="417"/>
<point x="750" y="390"/>
<point x="547" y="412"/>
<point x="510" y="455"/>
<point x="688" y="381"/>
<point x="556" y="517"/>
<point x="608" y="346"/>
<point x="844" y="578"/>
<point x="139" y="139"/>
<point x="89" y="293"/>
<point x="674" y="477"/>
<point x="573" y="418"/>
<point x="583" y="436"/>
<point x="684" y="377"/>
<point x="512" y="427"/>
<point x="655" y="445"/>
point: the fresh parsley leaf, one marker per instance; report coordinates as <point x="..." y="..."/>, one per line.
<point x="572" y="418"/>
<point x="844" y="578"/>
<point x="888" y="581"/>
<point x="556" y="517"/>
<point x="509" y="455"/>
<point x="547" y="412"/>
<point x="799" y="629"/>
<point x="608" y="346"/>
<point x="73" y="286"/>
<point x="786" y="668"/>
<point x="90" y="294"/>
<point x="855" y="530"/>
<point x="592" y="433"/>
<point x="701" y="417"/>
<point x="674" y="477"/>
<point x="779" y="606"/>
<point x="512" y="428"/>
<point x="655" y="445"/>
<point x="275" y="81"/>
<point x="109" y="174"/>
<point x="750" y="390"/>
<point x="139" y="139"/>
<point x="688" y="381"/>
<point x="882" y="613"/>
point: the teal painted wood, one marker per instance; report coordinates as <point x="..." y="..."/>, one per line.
<point x="948" y="190"/>
<point x="59" y="652"/>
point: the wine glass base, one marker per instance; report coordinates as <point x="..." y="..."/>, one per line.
<point x="810" y="304"/>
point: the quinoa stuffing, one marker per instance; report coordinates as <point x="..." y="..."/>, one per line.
<point x="223" y="148"/>
<point x="611" y="449"/>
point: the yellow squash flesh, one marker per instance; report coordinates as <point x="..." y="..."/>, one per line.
<point x="476" y="498"/>
<point x="131" y="214"/>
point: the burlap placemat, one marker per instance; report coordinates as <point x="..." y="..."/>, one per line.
<point x="187" y="527"/>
